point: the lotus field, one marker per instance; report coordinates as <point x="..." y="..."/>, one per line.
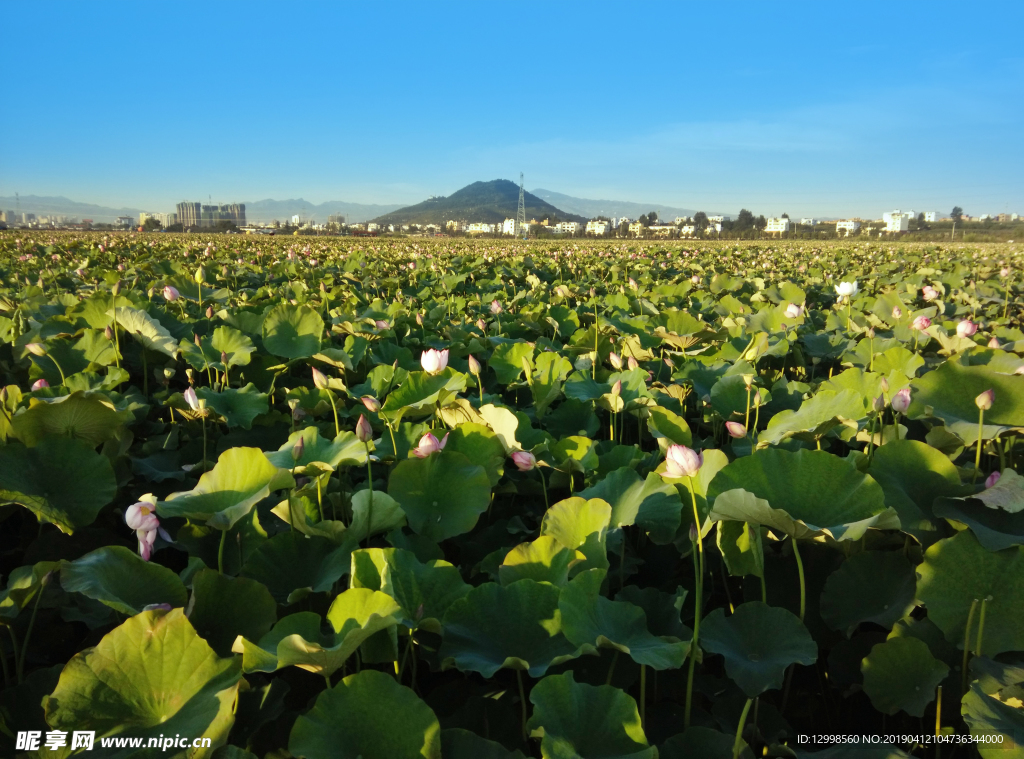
<point x="339" y="498"/>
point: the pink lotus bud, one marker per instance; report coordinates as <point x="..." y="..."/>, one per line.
<point x="615" y="361"/>
<point x="191" y="399"/>
<point x="481" y="325"/>
<point x="141" y="516"/>
<point x="363" y="430"/>
<point x="985" y="400"/>
<point x="524" y="460"/>
<point x="921" y="323"/>
<point x="36" y="349"/>
<point x="966" y="328"/>
<point x="108" y="332"/>
<point x="694" y="533"/>
<point x="381" y="324"/>
<point x="371" y="403"/>
<point x="419" y="320"/>
<point x="884" y="385"/>
<point x="632" y="363"/>
<point x="319" y="379"/>
<point x="901" y="401"/>
<point x="434" y="361"/>
<point x="39" y="384"/>
<point x="298" y="449"/>
<point x="617" y="388"/>
<point x="496" y="308"/>
<point x="992" y="479"/>
<point x="171" y="293"/>
<point x="682" y="461"/>
<point x="209" y="312"/>
<point x="879" y="404"/>
<point x="994" y="343"/>
<point x="428" y="445"/>
<point x="897" y="312"/>
<point x="474" y="366"/>
<point x="929" y="293"/>
<point x="735" y="429"/>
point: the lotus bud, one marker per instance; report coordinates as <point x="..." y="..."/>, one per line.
<point x="632" y="363"/>
<point x="994" y="343"/>
<point x="372" y="404"/>
<point x="966" y="328"/>
<point x="682" y="461"/>
<point x="871" y="332"/>
<point x="984" y="400"/>
<point x="474" y="366"/>
<point x="615" y="361"/>
<point x="298" y="449"/>
<point x="363" y="429"/>
<point x="884" y="385"/>
<point x="209" y="312"/>
<point x="319" y="379"/>
<point x="108" y="333"/>
<point x="191" y="399"/>
<point x="524" y="460"/>
<point x="929" y="293"/>
<point x="793" y="311"/>
<point x="429" y="445"/>
<point x="481" y="325"/>
<point x="992" y="479"/>
<point x="224" y="358"/>
<point x="195" y="339"/>
<point x="921" y="323"/>
<point x="1004" y="272"/>
<point x="496" y="307"/>
<point x="419" y="319"/>
<point x="434" y="361"/>
<point x="879" y="404"/>
<point x="36" y="349"/>
<point x="617" y="388"/>
<point x="694" y="533"/>
<point x="897" y="312"/>
<point x="669" y="363"/>
<point x="200" y="275"/>
<point x="735" y="429"/>
<point x="901" y="401"/>
<point x="39" y="384"/>
<point x="116" y="289"/>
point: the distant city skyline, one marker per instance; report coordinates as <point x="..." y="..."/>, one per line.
<point x="744" y="105"/>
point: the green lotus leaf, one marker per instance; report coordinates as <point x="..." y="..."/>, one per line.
<point x="543" y="560"/>
<point x="912" y="475"/>
<point x="89" y="417"/>
<point x="241" y="478"/>
<point x="729" y="397"/>
<point x="815" y="417"/>
<point x="873" y="586"/>
<point x="262" y="656"/>
<point x="995" y="515"/>
<point x="151" y="676"/>
<point x="23" y="584"/>
<point x="457" y="743"/>
<point x="292" y="331"/>
<point x="384" y="510"/>
<point x="547" y="378"/>
<point x="292" y="565"/>
<point x="150" y="333"/>
<point x="421" y="391"/>
<point x="507" y="361"/>
<point x="61" y="480"/>
<point x="948" y="393"/>
<point x="990" y="719"/>
<point x="368" y="566"/>
<point x="867" y="385"/>
<point x="575" y="454"/>
<point x="668" y="428"/>
<point x="423" y="590"/>
<point x="652" y="504"/>
<point x="345" y="450"/>
<point x="238" y="407"/>
<point x="902" y="674"/>
<point x="517" y="626"/>
<point x="225" y="607"/>
<point x="580" y="721"/>
<point x="741" y="547"/>
<point x="504" y="424"/>
<point x="589" y="619"/>
<point x="898" y="359"/>
<point x="663" y="610"/>
<point x="347" y="722"/>
<point x="702" y="743"/>
<point x="481" y="446"/>
<point x="442" y="495"/>
<point x="758" y="642"/>
<point x="801" y="493"/>
<point x="234" y="344"/>
<point x="580" y="524"/>
<point x="959" y="570"/>
<point x="119" y="578"/>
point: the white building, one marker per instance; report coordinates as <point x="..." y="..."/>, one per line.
<point x="809" y="222"/>
<point x="636" y="228"/>
<point x="681" y="220"/>
<point x="687" y="230"/>
<point x="663" y="230"/>
<point x="480" y="228"/>
<point x="717" y="219"/>
<point x="372" y="227"/>
<point x="714" y="226"/>
<point x="508" y="227"/>
<point x="897" y="221"/>
<point x="780" y="224"/>
<point x="125" y="221"/>
<point x="567" y="227"/>
<point x="847" y="226"/>
<point x="931" y="216"/>
<point x="598" y="227"/>
<point x="618" y="222"/>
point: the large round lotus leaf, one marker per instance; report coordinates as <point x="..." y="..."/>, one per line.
<point x="668" y="428"/>
<point x="901" y="673"/>
<point x="119" y="578"/>
<point x="367" y="716"/>
<point x="948" y="393"/>
<point x="241" y="478"/>
<point x="543" y="560"/>
<point x="581" y="721"/>
<point x="507" y="360"/>
<point x="345" y="450"/>
<point x="421" y="390"/>
<point x="151" y="676"/>
<point x="457" y="743"/>
<point x="995" y="515"/>
<point x="234" y="344"/>
<point x="581" y="525"/>
<point x="292" y="331"/>
<point x="516" y="626"/>
<point x="424" y="591"/>
<point x="801" y="493"/>
<point x="238" y="406"/>
<point x="590" y="619"/>
<point x="482" y="446"/>
<point x="90" y="417"/>
<point x="873" y="586"/>
<point x="62" y="481"/>
<point x="377" y="506"/>
<point x="758" y="642"/>
<point x="702" y="743"/>
<point x="442" y="495"/>
<point x="225" y="607"/>
<point x="958" y="571"/>
<point x="146" y="330"/>
<point x="292" y="565"/>
<point x="912" y="475"/>
<point x="652" y="504"/>
<point x="989" y="719"/>
<point x="262" y="655"/>
<point x="815" y="417"/>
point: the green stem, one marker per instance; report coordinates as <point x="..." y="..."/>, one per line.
<point x="28" y="634"/>
<point x="544" y="486"/>
<point x="938" y="717"/>
<point x="736" y="744"/>
<point x="334" y="408"/>
<point x="369" y="479"/>
<point x="800" y="570"/>
<point x="220" y="551"/>
<point x="204" y="438"/>
<point x="3" y="666"/>
<point x="967" y="645"/>
<point x="981" y="626"/>
<point x="746" y="415"/>
<point x="522" y="704"/>
<point x="319" y="498"/>
<point x="63" y="379"/>
<point x="981" y="442"/>
<point x="611" y="667"/>
<point x="643" y="696"/>
<point x="14" y="650"/>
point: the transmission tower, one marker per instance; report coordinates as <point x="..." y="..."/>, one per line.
<point x="521" y="228"/>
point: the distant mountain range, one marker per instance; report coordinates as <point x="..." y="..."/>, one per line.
<point x="45" y="206"/>
<point x="591" y="208"/>
<point x="490" y="202"/>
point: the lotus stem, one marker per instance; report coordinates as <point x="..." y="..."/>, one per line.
<point x="643" y="696"/>
<point x="896" y="424"/>
<point x="319" y="498"/>
<point x="220" y="549"/>
<point x="698" y="565"/>
<point x="28" y="630"/>
<point x="967" y="645"/>
<point x="1006" y="298"/>
<point x="746" y="415"/>
<point x="369" y="480"/>
<point x="3" y="667"/>
<point x="405" y="656"/>
<point x="977" y="455"/>
<point x="544" y="487"/>
<point x="334" y="408"/>
<point x="14" y="651"/>
<point x="63" y="379"/>
<point x="611" y="667"/>
<point x="871" y="361"/>
<point x="522" y="704"/>
<point x="800" y="571"/>
<point x="736" y="744"/>
<point x="938" y="715"/>
<point x="203" y="418"/>
<point x="981" y="625"/>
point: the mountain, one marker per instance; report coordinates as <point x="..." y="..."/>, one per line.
<point x="45" y="206"/>
<point x="591" y="208"/>
<point x="490" y="202"/>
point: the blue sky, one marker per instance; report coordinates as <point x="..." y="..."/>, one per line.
<point x="813" y="109"/>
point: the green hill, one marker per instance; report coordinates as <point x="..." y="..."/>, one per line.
<point x="490" y="202"/>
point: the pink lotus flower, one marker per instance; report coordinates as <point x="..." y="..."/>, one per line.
<point x="897" y="312"/>
<point x="191" y="399"/>
<point x="434" y="361"/>
<point x="992" y="479"/>
<point x="793" y="311"/>
<point x="428" y="445"/>
<point x="966" y="328"/>
<point x="171" y="293"/>
<point x="524" y="460"/>
<point x="496" y="308"/>
<point x="994" y="343"/>
<point x="615" y="361"/>
<point x="381" y="324"/>
<point x="901" y="401"/>
<point x="985" y="400"/>
<point x="142" y="518"/>
<point x="39" y="384"/>
<point x="632" y="363"/>
<point x="682" y="461"/>
<point x="921" y="323"/>
<point x="735" y="429"/>
<point x="929" y="293"/>
<point x="364" y="431"/>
